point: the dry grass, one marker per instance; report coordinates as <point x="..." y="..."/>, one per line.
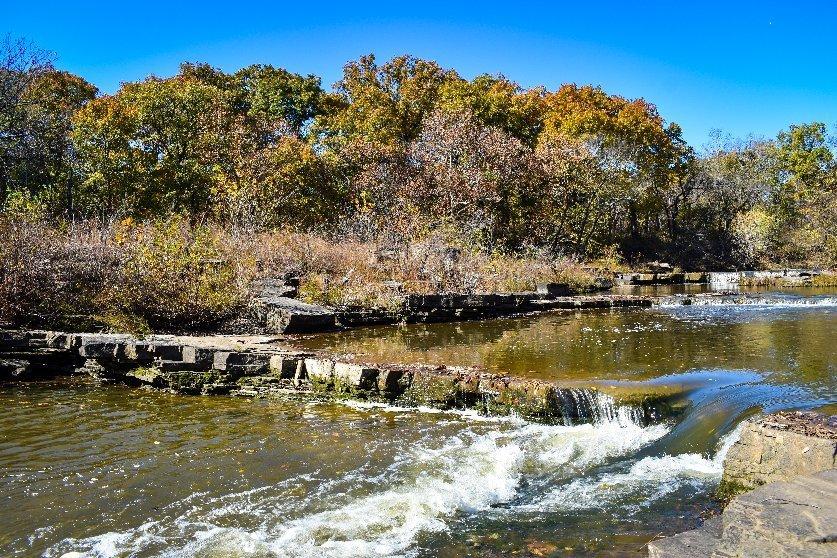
<point x="349" y="272"/>
<point x="171" y="275"/>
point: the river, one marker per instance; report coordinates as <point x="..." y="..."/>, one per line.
<point x="115" y="471"/>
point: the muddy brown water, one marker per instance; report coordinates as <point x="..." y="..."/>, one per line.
<point x="115" y="471"/>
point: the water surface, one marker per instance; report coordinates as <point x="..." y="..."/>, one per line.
<point x="113" y="471"/>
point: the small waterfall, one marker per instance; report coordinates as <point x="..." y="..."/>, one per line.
<point x="725" y="278"/>
<point x="588" y="405"/>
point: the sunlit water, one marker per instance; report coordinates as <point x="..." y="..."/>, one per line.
<point x="114" y="471"/>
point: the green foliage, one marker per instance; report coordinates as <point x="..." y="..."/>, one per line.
<point x="37" y="103"/>
<point x="405" y="148"/>
<point x="156" y="146"/>
<point x="174" y="276"/>
<point x="382" y="104"/>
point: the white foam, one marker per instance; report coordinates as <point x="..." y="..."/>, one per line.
<point x="467" y="473"/>
<point x="753" y="301"/>
<point x="647" y="480"/>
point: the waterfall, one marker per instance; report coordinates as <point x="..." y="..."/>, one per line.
<point x="588" y="405"/>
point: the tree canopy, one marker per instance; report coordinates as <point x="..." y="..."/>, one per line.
<point x="404" y="146"/>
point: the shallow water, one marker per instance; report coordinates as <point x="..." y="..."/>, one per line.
<point x="114" y="471"/>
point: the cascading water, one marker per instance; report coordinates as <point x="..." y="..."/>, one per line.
<point x="581" y="405"/>
<point x="750" y="300"/>
<point x="421" y="493"/>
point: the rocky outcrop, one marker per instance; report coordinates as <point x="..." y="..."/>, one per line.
<point x="792" y="511"/>
<point x="795" y="518"/>
<point x="281" y="314"/>
<point x="259" y="366"/>
<point x="430" y="308"/>
<point x="273" y="311"/>
<point x="779" y="447"/>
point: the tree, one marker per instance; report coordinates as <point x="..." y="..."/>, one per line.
<point x="804" y="196"/>
<point x="155" y="146"/>
<point x="640" y="158"/>
<point x="276" y="95"/>
<point x="476" y="177"/>
<point x="497" y="101"/>
<point x="382" y="104"/>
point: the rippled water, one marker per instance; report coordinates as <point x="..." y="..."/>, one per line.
<point x="114" y="471"/>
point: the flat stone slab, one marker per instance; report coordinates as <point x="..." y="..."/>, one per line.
<point x="792" y="519"/>
<point x="281" y="314"/>
<point x="698" y="543"/>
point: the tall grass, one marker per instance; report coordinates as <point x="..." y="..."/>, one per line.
<point x="173" y="275"/>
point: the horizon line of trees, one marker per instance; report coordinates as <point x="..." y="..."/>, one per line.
<point x="404" y="147"/>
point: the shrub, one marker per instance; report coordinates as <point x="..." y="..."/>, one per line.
<point x="174" y="276"/>
<point x="49" y="276"/>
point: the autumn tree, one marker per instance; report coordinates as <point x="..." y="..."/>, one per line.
<point x="642" y="162"/>
<point x="476" y="177"/>
<point x="499" y="102"/>
<point x="36" y="106"/>
<point x="382" y="104"/>
<point x="155" y="146"/>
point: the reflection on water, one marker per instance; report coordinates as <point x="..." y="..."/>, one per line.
<point x="113" y="471"/>
<point x="787" y="339"/>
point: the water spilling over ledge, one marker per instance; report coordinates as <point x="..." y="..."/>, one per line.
<point x="632" y="412"/>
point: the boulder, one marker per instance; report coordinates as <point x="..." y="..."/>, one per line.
<point x="354" y="378"/>
<point x="287" y="315"/>
<point x="779" y="447"/>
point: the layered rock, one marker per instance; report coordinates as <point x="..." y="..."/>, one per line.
<point x="788" y="460"/>
<point x="779" y="447"/>
<point x="787" y="519"/>
<point x="280" y="314"/>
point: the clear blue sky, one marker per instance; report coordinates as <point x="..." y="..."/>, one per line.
<point x="742" y="67"/>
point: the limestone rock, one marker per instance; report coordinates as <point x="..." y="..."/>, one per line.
<point x="783" y="519"/>
<point x="779" y="447"/>
<point x="553" y="289"/>
<point x="287" y="315"/>
<point x="794" y="519"/>
<point x="698" y="543"/>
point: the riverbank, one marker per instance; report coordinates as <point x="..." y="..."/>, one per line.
<point x="319" y="472"/>
<point x="267" y="363"/>
<point x="781" y="477"/>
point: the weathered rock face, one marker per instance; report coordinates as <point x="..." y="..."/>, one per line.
<point x="795" y="515"/>
<point x="780" y="447"/>
<point x="280" y="314"/>
<point x="797" y="518"/>
<point x="25" y="354"/>
<point x="794" y="518"/>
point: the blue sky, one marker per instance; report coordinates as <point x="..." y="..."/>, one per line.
<point x="741" y="67"/>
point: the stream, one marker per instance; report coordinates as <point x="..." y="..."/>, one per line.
<point x="112" y="471"/>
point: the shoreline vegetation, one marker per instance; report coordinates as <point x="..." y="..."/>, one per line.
<point x="160" y="206"/>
